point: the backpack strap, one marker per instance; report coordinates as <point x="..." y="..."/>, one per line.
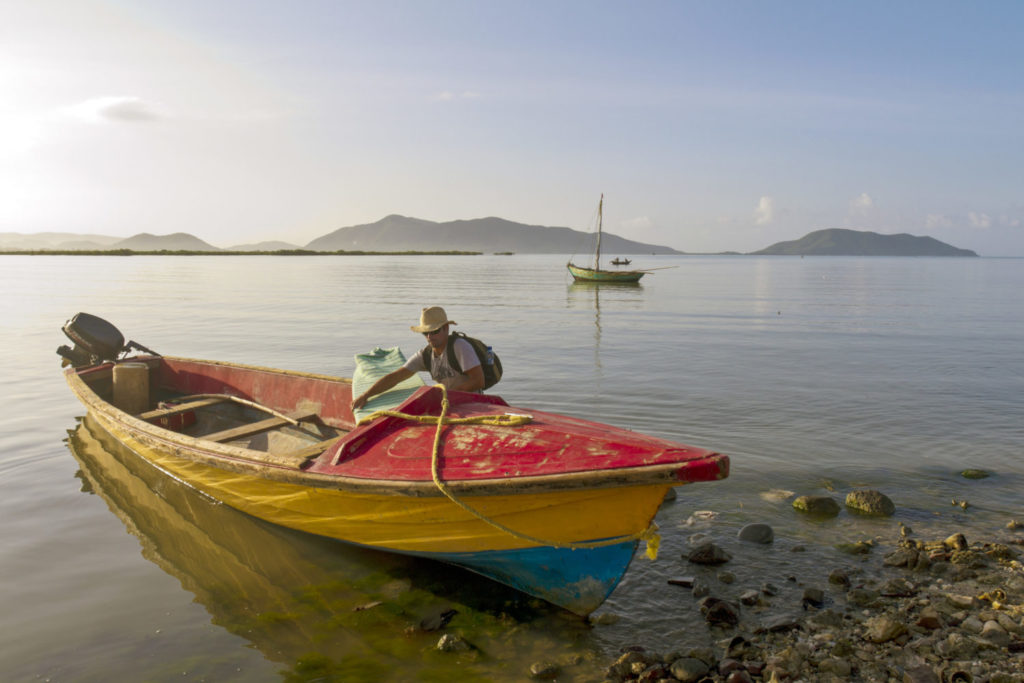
<point x="452" y="359"/>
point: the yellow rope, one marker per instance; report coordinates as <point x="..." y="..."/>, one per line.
<point x="649" y="535"/>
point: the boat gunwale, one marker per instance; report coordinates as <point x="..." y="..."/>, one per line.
<point x="261" y="464"/>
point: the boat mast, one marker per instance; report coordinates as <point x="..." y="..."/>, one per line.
<point x="597" y="253"/>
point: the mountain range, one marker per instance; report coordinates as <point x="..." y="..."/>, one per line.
<point x="485" y="235"/>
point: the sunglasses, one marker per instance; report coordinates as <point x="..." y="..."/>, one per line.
<point x="427" y="334"/>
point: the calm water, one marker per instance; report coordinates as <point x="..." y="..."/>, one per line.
<point x="815" y="375"/>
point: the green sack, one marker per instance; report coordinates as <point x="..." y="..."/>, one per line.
<point x="372" y="366"/>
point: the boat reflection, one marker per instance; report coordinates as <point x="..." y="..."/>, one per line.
<point x="580" y="290"/>
<point x="300" y="598"/>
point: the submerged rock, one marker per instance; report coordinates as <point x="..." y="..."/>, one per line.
<point x="756" y="533"/>
<point x="974" y="474"/>
<point x="708" y="553"/>
<point x="870" y="502"/>
<point x="819" y="506"/>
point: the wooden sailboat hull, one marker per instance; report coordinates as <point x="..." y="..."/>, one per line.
<point x="593" y="275"/>
<point x="563" y="485"/>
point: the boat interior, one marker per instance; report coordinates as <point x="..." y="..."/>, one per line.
<point x="289" y="437"/>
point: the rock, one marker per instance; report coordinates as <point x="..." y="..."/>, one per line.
<point x="545" y="670"/>
<point x="839" y="577"/>
<point x="897" y="588"/>
<point x="604" y="619"/>
<point x="756" y="533"/>
<point x="1014" y="524"/>
<point x="901" y="557"/>
<point x="813" y="596"/>
<point x="741" y="676"/>
<point x="452" y="643"/>
<point x="688" y="669"/>
<point x="737" y="647"/>
<point x="769" y="589"/>
<point x="750" y="597"/>
<point x="700" y="589"/>
<point x="870" y="502"/>
<point x="840" y="668"/>
<point x="920" y="674"/>
<point x="653" y="673"/>
<point x="719" y="612"/>
<point x="726" y="577"/>
<point x="994" y="633"/>
<point x="882" y="629"/>
<point x="955" y="542"/>
<point x="437" y="620"/>
<point x="960" y="601"/>
<point x="929" y="619"/>
<point x="974" y="474"/>
<point x="858" y="548"/>
<point x="863" y="597"/>
<point x="819" y="506"/>
<point x="972" y="625"/>
<point x="780" y="624"/>
<point x="728" y="665"/>
<point x="708" y="553"/>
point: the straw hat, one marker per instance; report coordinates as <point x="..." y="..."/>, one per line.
<point x="432" y="318"/>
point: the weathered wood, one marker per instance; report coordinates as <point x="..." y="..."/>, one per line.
<point x="182" y="407"/>
<point x="253" y="428"/>
<point x="315" y="449"/>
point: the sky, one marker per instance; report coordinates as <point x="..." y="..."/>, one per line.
<point x="708" y="126"/>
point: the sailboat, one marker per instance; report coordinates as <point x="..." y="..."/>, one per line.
<point x="595" y="274"/>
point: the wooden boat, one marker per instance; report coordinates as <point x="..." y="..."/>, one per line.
<point x="551" y="505"/>
<point x="597" y="274"/>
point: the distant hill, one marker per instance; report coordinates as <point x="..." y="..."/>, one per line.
<point x="840" y="242"/>
<point x="55" y="240"/>
<point x="179" y="241"/>
<point x="400" y="233"/>
<point x="273" y="245"/>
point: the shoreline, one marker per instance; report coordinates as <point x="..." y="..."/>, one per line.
<point x="916" y="611"/>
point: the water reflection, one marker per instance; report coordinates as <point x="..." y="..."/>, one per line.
<point x="322" y="609"/>
<point x="591" y="291"/>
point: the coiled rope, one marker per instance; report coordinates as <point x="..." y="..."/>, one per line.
<point x="649" y="535"/>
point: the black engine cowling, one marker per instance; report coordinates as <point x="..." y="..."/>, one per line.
<point x="95" y="340"/>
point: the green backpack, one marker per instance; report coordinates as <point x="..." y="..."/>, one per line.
<point x="489" y="361"/>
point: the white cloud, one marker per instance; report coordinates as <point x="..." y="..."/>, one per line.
<point x="937" y="220"/>
<point x="862" y="204"/>
<point x="114" y="109"/>
<point x="765" y="211"/>
<point x="979" y="220"/>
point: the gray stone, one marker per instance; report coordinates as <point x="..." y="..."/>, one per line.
<point x="700" y="588"/>
<point x="839" y="577"/>
<point x="882" y="629"/>
<point x="708" y="553"/>
<point x="819" y="506"/>
<point x="972" y="625"/>
<point x="870" y="502"/>
<point x="545" y="670"/>
<point x="994" y="633"/>
<point x="452" y="643"/>
<point x="719" y="612"/>
<point x="862" y="597"/>
<point x="813" y="596"/>
<point x="756" y="533"/>
<point x="750" y="597"/>
<point x="726" y="577"/>
<point x="920" y="674"/>
<point x="688" y="669"/>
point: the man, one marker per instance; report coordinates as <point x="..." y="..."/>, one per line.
<point x="434" y="324"/>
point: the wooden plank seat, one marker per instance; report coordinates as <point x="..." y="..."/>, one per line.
<point x="254" y="428"/>
<point x="182" y="407"/>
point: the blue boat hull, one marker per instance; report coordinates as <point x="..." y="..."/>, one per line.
<point x="578" y="580"/>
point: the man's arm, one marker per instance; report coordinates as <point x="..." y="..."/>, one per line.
<point x="474" y="380"/>
<point x="386" y="382"/>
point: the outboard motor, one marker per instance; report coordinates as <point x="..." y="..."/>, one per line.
<point x="96" y="341"/>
